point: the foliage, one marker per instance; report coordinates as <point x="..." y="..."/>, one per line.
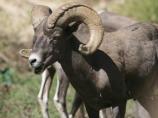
<point x="20" y="101"/>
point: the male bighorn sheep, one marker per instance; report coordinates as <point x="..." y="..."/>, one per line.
<point x="110" y="22"/>
<point x="131" y="49"/>
<point x="91" y="77"/>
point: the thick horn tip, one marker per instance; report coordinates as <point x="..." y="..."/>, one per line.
<point x="84" y="49"/>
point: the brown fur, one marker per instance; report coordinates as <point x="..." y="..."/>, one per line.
<point x="129" y="52"/>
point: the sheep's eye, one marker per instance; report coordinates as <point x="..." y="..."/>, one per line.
<point x="34" y="39"/>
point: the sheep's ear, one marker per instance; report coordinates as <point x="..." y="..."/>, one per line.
<point x="39" y="13"/>
<point x="25" y="53"/>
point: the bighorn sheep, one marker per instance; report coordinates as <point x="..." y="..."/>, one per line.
<point x="99" y="92"/>
<point x="131" y="49"/>
<point x="110" y="22"/>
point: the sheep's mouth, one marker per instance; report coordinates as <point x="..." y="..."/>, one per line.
<point x="42" y="66"/>
<point x="39" y="69"/>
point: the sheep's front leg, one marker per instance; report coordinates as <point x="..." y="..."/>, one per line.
<point x="106" y="113"/>
<point x="92" y="113"/>
<point x="61" y="90"/>
<point x="119" y="111"/>
<point x="77" y="102"/>
<point x="44" y="91"/>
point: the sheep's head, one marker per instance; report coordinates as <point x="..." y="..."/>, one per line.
<point x="52" y="30"/>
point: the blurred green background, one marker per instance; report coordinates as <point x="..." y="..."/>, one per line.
<point x="18" y="85"/>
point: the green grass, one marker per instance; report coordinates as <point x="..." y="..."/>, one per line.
<point x="21" y="99"/>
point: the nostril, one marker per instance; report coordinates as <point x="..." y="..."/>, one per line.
<point x="32" y="61"/>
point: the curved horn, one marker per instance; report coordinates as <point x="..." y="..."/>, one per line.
<point x="39" y="13"/>
<point x="25" y="52"/>
<point x="78" y="12"/>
